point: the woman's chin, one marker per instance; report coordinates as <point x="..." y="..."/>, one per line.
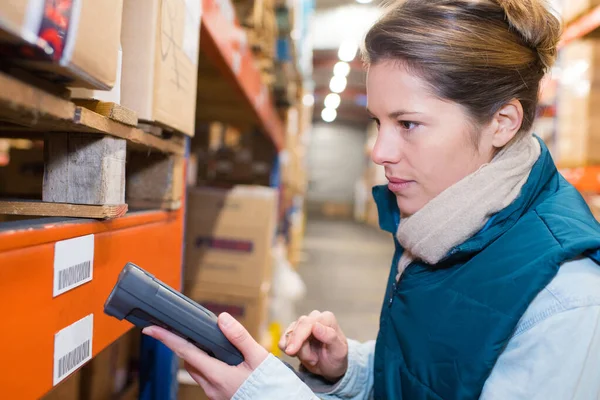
<point x="408" y="206"/>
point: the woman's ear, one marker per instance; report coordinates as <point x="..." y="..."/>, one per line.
<point x="508" y="122"/>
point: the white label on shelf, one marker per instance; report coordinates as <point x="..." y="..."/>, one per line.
<point x="72" y="348"/>
<point x="73" y="263"/>
<point x="191" y="29"/>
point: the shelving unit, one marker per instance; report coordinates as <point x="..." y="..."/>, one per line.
<point x="152" y="239"/>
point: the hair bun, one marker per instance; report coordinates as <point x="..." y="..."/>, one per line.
<point x="537" y="25"/>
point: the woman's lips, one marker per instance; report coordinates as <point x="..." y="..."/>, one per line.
<point x="399" y="185"/>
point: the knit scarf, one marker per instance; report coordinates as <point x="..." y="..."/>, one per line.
<point x="463" y="209"/>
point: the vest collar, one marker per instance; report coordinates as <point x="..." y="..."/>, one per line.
<point x="543" y="171"/>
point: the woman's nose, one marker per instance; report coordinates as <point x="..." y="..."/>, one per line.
<point x="386" y="150"/>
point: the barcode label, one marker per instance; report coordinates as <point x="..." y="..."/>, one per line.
<point x="68" y="362"/>
<point x="72" y="347"/>
<point x="75" y="274"/>
<point x="73" y="263"/>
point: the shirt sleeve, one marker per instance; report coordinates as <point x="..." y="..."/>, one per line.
<point x="557" y="358"/>
<point x="274" y="380"/>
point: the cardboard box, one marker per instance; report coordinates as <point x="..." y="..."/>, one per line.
<point x="250" y="309"/>
<point x="230" y="234"/>
<point x="67" y="389"/>
<point x="160" y="61"/>
<point x="74" y="43"/>
<point x="107" y="375"/>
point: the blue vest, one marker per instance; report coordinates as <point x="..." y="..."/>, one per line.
<point x="443" y="327"/>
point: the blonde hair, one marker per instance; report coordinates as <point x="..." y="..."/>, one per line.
<point x="478" y="53"/>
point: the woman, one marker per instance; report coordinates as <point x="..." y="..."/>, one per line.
<point x="494" y="290"/>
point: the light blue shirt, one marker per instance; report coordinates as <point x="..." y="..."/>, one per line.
<point x="554" y="353"/>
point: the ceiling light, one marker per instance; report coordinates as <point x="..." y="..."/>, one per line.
<point x="333" y="100"/>
<point x="364" y="1"/>
<point x="348" y="50"/>
<point x="338" y="84"/>
<point x="341" y="69"/>
<point x="308" y="100"/>
<point x="328" y="114"/>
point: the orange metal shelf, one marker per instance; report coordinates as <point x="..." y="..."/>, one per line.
<point x="31" y="316"/>
<point x="581" y="27"/>
<point x="223" y="41"/>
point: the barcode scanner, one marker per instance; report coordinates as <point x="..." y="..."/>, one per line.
<point x="144" y="301"/>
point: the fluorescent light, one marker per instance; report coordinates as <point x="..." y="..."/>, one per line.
<point x="333" y="100"/>
<point x="341" y="69"/>
<point x="364" y="1"/>
<point x="348" y="50"/>
<point x="308" y="100"/>
<point x="328" y="114"/>
<point x="338" y="84"/>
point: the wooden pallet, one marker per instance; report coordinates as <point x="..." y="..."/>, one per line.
<point x="87" y="147"/>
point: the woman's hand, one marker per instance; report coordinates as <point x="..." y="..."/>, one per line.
<point x="319" y="343"/>
<point x="219" y="380"/>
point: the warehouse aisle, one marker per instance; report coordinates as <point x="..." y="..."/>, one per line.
<point x="345" y="270"/>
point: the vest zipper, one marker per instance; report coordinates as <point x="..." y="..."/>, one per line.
<point x="395" y="288"/>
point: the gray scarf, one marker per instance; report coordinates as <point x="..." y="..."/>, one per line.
<point x="464" y="208"/>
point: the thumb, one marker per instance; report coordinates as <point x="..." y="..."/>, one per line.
<point x="254" y="354"/>
<point x="324" y="334"/>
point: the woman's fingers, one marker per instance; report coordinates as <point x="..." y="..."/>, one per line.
<point x="254" y="354"/>
<point x="199" y="360"/>
<point x="300" y="334"/>
<point x="324" y="334"/>
<point x="283" y="341"/>
<point x="307" y="354"/>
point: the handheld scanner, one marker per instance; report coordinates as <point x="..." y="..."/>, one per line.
<point x="143" y="300"/>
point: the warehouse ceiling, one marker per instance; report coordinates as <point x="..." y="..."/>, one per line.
<point x="336" y="22"/>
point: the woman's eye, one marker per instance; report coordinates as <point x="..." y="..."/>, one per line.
<point x="408" y="125"/>
<point x="376" y="121"/>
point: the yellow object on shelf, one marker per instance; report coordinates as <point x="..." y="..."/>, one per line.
<point x="275" y="332"/>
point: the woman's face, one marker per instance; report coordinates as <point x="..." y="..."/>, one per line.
<point x="424" y="143"/>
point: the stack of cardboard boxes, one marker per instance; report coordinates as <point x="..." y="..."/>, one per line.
<point x="152" y="45"/>
<point x="228" y="251"/>
<point x="228" y="261"/>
